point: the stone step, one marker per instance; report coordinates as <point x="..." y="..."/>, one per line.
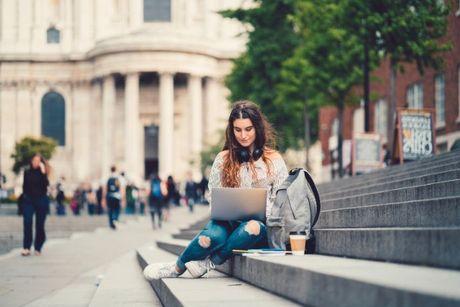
<point x="198" y="225"/>
<point x="123" y="284"/>
<point x="186" y="234"/>
<point x="437" y="247"/>
<point x="215" y="290"/>
<point x="416" y="213"/>
<point x="396" y="183"/>
<point x="427" y="191"/>
<point x="412" y="245"/>
<point x="317" y="280"/>
<point x="391" y="171"/>
<point x="345" y="185"/>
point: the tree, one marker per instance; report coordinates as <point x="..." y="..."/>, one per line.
<point x="326" y="65"/>
<point x="25" y="149"/>
<point x="257" y="72"/>
<point x="403" y="31"/>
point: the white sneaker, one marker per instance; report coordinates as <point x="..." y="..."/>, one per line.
<point x="200" y="267"/>
<point x="160" y="270"/>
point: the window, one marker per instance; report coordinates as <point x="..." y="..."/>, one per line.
<point x="414" y="96"/>
<point x="380" y="118"/>
<point x="157" y="10"/>
<point x="439" y="99"/>
<point x="53" y="36"/>
<point x="53" y="117"/>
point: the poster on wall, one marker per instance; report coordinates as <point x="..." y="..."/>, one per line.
<point x="366" y="153"/>
<point x="415" y="134"/>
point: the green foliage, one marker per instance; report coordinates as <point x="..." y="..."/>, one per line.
<point x="303" y="54"/>
<point x="257" y="72"/>
<point x="25" y="149"/>
<point x="405" y="31"/>
<point x="327" y="64"/>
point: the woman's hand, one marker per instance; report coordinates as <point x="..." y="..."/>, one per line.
<point x="42" y="168"/>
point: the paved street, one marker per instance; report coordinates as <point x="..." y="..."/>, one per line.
<point x="69" y="270"/>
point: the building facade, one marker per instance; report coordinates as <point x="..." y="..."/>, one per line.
<point x="132" y="83"/>
<point x="435" y="90"/>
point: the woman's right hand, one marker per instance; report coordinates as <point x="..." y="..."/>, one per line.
<point x="42" y="168"/>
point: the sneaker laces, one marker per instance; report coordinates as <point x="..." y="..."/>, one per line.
<point x="168" y="270"/>
<point x="209" y="266"/>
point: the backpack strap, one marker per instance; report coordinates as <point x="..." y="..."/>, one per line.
<point x="295" y="172"/>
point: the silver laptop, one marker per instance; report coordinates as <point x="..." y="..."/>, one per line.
<point x="230" y="204"/>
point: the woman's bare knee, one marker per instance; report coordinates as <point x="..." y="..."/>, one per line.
<point x="204" y="241"/>
<point x="252" y="228"/>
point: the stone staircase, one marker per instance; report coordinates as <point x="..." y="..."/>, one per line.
<point x="388" y="238"/>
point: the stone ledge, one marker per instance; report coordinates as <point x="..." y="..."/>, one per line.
<point x="332" y="281"/>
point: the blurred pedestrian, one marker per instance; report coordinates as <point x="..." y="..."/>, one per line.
<point x="203" y="187"/>
<point x="157" y="194"/>
<point x="131" y="193"/>
<point x="75" y="202"/>
<point x="35" y="201"/>
<point x="91" y="199"/>
<point x="190" y="192"/>
<point x="173" y="193"/>
<point x="60" y="197"/>
<point x="113" y="197"/>
<point x="99" y="194"/>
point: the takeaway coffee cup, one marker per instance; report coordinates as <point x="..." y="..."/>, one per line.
<point x="298" y="240"/>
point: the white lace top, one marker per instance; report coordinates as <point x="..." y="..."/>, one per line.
<point x="278" y="175"/>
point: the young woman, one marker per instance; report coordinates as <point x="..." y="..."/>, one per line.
<point x="36" y="201"/>
<point x="247" y="160"/>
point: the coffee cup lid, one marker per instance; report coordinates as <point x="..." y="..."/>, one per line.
<point x="302" y="233"/>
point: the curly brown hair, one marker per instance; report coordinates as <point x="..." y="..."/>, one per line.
<point x="265" y="139"/>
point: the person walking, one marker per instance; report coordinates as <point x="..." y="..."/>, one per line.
<point x="156" y="198"/>
<point x="173" y="193"/>
<point x="248" y="160"/>
<point x="203" y="188"/>
<point x="60" y="198"/>
<point x="113" y="195"/>
<point x="99" y="196"/>
<point x="35" y="201"/>
<point x="190" y="191"/>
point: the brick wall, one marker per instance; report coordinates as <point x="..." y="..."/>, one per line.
<point x="380" y="89"/>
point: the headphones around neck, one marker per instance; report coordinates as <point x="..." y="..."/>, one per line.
<point x="243" y="154"/>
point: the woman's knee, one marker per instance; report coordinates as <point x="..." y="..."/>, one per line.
<point x="213" y="235"/>
<point x="254" y="228"/>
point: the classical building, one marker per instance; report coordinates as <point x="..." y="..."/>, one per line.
<point x="135" y="83"/>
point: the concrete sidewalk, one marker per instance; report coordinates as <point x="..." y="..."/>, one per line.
<point x="71" y="268"/>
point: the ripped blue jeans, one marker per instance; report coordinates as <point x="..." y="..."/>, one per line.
<point x="219" y="238"/>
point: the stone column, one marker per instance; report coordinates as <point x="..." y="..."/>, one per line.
<point x="96" y="125"/>
<point x="131" y="124"/>
<point x="135" y="13"/>
<point x="24" y="23"/>
<point x="8" y="22"/>
<point x="196" y="111"/>
<point x="108" y="102"/>
<point x="7" y="129"/>
<point x="81" y="130"/>
<point x="166" y="123"/>
<point x="210" y="111"/>
<point x="39" y="26"/>
<point x="36" y="120"/>
<point x="23" y="110"/>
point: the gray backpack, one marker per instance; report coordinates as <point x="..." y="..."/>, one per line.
<point x="296" y="208"/>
